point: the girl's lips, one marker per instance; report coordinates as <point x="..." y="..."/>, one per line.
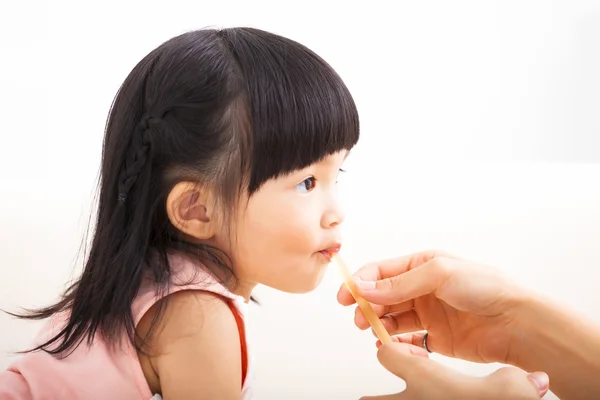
<point x="331" y="251"/>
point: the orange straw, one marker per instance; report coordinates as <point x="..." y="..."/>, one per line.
<point x="364" y="305"/>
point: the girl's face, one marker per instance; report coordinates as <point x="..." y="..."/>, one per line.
<point x="285" y="226"/>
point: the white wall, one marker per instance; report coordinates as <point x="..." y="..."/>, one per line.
<point x="473" y="114"/>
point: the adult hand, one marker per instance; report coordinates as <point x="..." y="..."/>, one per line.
<point x="426" y="379"/>
<point x="468" y="310"/>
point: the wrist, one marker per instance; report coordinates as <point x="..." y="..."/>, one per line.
<point x="524" y="327"/>
<point x="545" y="332"/>
<point x="549" y="337"/>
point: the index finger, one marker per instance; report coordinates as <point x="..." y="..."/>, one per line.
<point x="387" y="269"/>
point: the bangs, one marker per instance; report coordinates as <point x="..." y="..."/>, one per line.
<point x="300" y="111"/>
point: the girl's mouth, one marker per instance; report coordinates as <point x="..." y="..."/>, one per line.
<point x="331" y="251"/>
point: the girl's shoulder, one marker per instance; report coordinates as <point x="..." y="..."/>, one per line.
<point x="198" y="342"/>
<point x="197" y="346"/>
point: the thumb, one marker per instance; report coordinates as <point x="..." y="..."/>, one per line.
<point x="402" y="359"/>
<point x="384" y="291"/>
<point x="509" y="382"/>
<point x="406" y="286"/>
<point x="541" y="382"/>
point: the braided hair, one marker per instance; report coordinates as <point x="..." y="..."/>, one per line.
<point x="138" y="155"/>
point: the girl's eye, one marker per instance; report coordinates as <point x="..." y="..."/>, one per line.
<point x="307" y="185"/>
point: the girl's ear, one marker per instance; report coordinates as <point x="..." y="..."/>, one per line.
<point x="191" y="210"/>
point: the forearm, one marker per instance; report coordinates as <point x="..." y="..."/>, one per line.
<point x="550" y="338"/>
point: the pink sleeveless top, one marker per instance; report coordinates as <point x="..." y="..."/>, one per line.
<point x="96" y="372"/>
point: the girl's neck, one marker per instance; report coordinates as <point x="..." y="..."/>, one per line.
<point x="236" y="285"/>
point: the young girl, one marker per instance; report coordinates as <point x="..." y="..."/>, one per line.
<point x="219" y="173"/>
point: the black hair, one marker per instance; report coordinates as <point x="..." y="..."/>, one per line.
<point x="234" y="107"/>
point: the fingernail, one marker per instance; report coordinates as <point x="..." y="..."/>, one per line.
<point x="365" y="285"/>
<point x="541" y="380"/>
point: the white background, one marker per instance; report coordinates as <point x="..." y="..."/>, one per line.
<point x="480" y="128"/>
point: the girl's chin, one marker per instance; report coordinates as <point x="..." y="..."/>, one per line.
<point x="301" y="285"/>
